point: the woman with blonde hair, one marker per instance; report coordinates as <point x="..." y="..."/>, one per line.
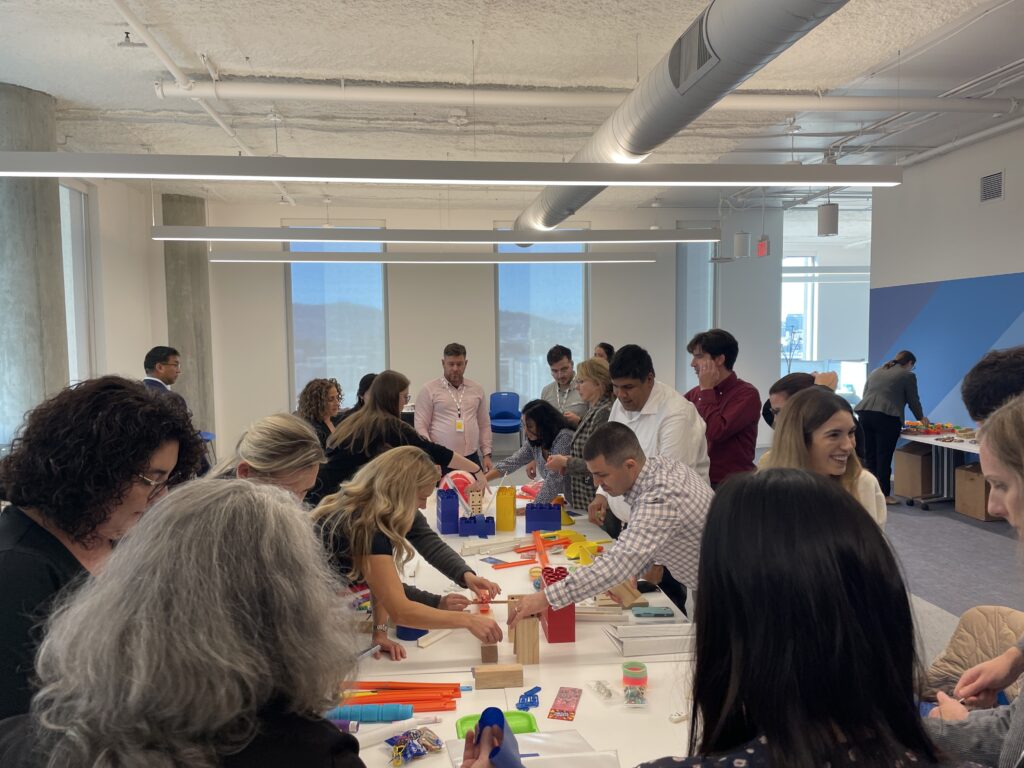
<point x="594" y="383"/>
<point x="364" y="527"/>
<point x="991" y="736"/>
<point x="320" y="404"/>
<point x="281" y="449"/>
<point x="816" y="431"/>
<point x="213" y="637"/>
<point x="374" y="429"/>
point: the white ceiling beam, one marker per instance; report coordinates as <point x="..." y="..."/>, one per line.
<point x="390" y="257"/>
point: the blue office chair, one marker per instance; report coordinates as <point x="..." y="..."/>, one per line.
<point x="505" y="415"/>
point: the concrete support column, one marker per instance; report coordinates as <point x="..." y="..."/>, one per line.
<point x="189" y="328"/>
<point x="33" y="332"/>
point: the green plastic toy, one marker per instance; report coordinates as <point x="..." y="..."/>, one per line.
<point x="519" y="722"/>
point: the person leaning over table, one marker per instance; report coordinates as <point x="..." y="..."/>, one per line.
<point x="595" y="387"/>
<point x="82" y="470"/>
<point x="364" y="527"/>
<point x="212" y="638"/>
<point x="547" y="434"/>
<point x="376" y="428"/>
<point x="887" y="392"/>
<point x="991" y="736"/>
<point x="669" y="502"/>
<point x="283" y="450"/>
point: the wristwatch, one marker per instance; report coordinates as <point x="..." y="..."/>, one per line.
<point x="380" y="628"/>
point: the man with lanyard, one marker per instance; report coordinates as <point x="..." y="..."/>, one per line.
<point x="561" y="392"/>
<point x="453" y="410"/>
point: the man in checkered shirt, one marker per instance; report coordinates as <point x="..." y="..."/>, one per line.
<point x="669" y="504"/>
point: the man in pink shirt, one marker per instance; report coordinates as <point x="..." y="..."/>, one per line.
<point x="453" y="410"/>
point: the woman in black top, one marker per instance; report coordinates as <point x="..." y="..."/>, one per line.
<point x="364" y="386"/>
<point x="374" y="429"/>
<point x="804" y="637"/>
<point x="213" y="636"/>
<point x="81" y="472"/>
<point x="319" y="404"/>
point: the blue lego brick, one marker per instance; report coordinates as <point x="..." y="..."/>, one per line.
<point x="447" y="511"/>
<point x="543" y="517"/>
<point x="476" y="525"/>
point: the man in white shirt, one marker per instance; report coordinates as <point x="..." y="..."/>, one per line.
<point x="453" y="410"/>
<point x="665" y="423"/>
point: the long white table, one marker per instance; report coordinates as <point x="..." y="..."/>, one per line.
<point x="946" y="457"/>
<point x="636" y="734"/>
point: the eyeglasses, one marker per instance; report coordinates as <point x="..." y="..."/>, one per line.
<point x="155" y="486"/>
<point x="172" y="365"/>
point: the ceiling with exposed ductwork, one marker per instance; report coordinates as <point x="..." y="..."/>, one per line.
<point x="76" y="50"/>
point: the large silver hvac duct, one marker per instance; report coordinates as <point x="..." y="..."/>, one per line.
<point x="726" y="44"/>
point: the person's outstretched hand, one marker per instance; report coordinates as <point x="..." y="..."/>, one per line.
<point x="948" y="709"/>
<point x="980" y="684"/>
<point x="477" y="753"/>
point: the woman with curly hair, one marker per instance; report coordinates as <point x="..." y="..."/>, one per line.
<point x="84" y="467"/>
<point x="319" y="404"/>
<point x="213" y="637"/>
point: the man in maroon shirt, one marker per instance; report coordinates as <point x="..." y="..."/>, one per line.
<point x="729" y="406"/>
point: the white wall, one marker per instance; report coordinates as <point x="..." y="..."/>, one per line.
<point x="129" y="296"/>
<point x="428" y="306"/>
<point x="933" y="227"/>
<point x="749" y="302"/>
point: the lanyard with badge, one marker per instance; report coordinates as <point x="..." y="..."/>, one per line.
<point x="562" y="402"/>
<point x="460" y="425"/>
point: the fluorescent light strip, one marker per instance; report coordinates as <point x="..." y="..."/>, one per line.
<point x="447" y="172"/>
<point x="372" y="257"/>
<point x="431" y="236"/>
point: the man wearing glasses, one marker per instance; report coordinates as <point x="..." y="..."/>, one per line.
<point x="163" y="367"/>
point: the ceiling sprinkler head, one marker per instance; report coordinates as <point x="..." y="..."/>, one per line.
<point x="129" y="43"/>
<point x="793" y="128"/>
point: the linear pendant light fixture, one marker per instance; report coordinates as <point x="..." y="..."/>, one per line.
<point x="390" y="257"/>
<point x="431" y="236"/>
<point x="447" y="172"/>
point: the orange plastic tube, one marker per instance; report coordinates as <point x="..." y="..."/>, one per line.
<point x="513" y="564"/>
<point x="392" y="685"/>
<point x="542" y="553"/>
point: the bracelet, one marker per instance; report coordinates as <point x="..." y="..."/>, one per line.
<point x="380" y="628"/>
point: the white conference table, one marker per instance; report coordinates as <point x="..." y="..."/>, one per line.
<point x="635" y="734"/>
<point x="946" y="457"/>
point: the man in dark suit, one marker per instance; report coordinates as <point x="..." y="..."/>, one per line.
<point x="163" y="366"/>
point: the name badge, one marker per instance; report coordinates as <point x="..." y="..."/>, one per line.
<point x="460" y="425"/>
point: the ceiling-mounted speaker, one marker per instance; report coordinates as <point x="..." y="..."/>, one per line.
<point x="828" y="219"/>
<point x="741" y="245"/>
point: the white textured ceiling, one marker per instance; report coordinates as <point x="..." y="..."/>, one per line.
<point x="106" y="100"/>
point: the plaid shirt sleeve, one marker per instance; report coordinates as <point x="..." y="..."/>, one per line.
<point x="665" y="524"/>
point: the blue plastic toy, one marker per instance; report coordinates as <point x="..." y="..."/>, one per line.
<point x="543" y="517"/>
<point x="476" y="525"/>
<point x="529" y="699"/>
<point x="447" y="511"/>
<point x="409" y="633"/>
<point x="370" y="713"/>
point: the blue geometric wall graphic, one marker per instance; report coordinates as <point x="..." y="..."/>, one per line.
<point x="948" y="326"/>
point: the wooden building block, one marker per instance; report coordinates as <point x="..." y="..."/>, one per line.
<point x="498" y="676"/>
<point x="627" y="594"/>
<point x="527" y="644"/>
<point x="432" y="637"/>
<point x="489" y="654"/>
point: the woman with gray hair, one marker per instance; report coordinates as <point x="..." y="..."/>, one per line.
<point x="213" y="637"/>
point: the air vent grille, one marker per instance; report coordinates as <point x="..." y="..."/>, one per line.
<point x="992" y="187"/>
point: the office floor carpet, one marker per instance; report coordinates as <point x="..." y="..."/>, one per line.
<point x="955" y="562"/>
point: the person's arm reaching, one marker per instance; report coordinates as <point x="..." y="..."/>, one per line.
<point x="520" y="458"/>
<point x="435" y="551"/>
<point x="483" y="420"/>
<point x="386" y="587"/>
<point x="912" y="398"/>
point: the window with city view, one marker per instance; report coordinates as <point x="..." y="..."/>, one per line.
<point x="539" y="305"/>
<point x="338" y="319"/>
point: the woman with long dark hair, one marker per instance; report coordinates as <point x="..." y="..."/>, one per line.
<point x="547" y="434"/>
<point x="805" y="651"/>
<point x="887" y="392"/>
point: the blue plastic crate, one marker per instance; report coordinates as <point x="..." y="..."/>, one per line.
<point x="447" y="511"/>
<point x="543" y="517"/>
